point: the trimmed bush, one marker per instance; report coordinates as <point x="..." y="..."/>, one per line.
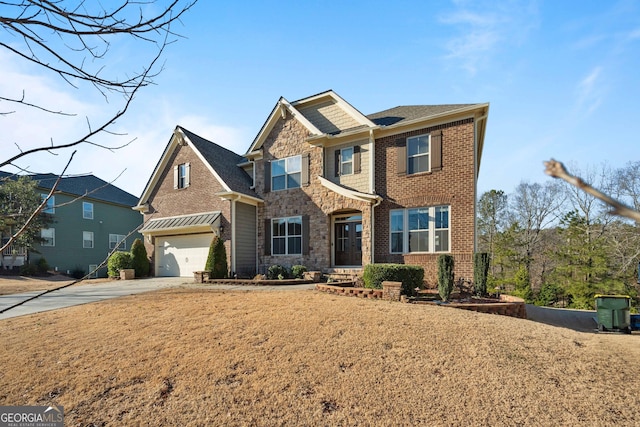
<point x="139" y="259"/>
<point x="28" y="270"/>
<point x="277" y="272"/>
<point x="480" y="273"/>
<point x="118" y="261"/>
<point x="297" y="271"/>
<point x="216" y="263"/>
<point x="77" y="272"/>
<point x="42" y="265"/>
<point x="411" y="276"/>
<point x="445" y="276"/>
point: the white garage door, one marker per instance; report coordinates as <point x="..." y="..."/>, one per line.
<point x="180" y="256"/>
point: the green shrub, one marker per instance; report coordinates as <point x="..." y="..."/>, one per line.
<point x="277" y="272"/>
<point x="411" y="276"/>
<point x="445" y="276"/>
<point x="78" y="272"/>
<point x="216" y="263"/>
<point x="480" y="273"/>
<point x="548" y="295"/>
<point x="42" y="266"/>
<point x="522" y="284"/>
<point x="118" y="261"/>
<point x="28" y="270"/>
<point x="139" y="259"/>
<point x="297" y="271"/>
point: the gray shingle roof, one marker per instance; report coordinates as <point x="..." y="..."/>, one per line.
<point x="225" y="163"/>
<point x="402" y="113"/>
<point x="81" y="185"/>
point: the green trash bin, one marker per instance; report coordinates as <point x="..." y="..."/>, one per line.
<point x="614" y="313"/>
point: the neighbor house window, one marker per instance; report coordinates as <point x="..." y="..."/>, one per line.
<point x="51" y="203"/>
<point x="423" y="229"/>
<point x="48" y="236"/>
<point x="181" y="175"/>
<point x="118" y="240"/>
<point x="286" y="236"/>
<point x="87" y="239"/>
<point x="87" y="210"/>
<point x="286" y="173"/>
<point x="93" y="271"/>
<point x="418" y="154"/>
<point x="346" y="161"/>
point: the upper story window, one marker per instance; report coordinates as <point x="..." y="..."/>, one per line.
<point x="87" y="239"/>
<point x="181" y="175"/>
<point x="346" y="161"/>
<point x="418" y="154"/>
<point x="423" y="229"/>
<point x="118" y="240"/>
<point x="87" y="210"/>
<point x="286" y="236"/>
<point x="286" y="173"/>
<point x="48" y="236"/>
<point x="51" y="203"/>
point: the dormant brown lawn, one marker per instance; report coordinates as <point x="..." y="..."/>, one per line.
<point x="206" y="357"/>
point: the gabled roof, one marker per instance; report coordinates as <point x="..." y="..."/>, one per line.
<point x="325" y="113"/>
<point x="89" y="185"/>
<point x="221" y="162"/>
<point x="407" y="113"/>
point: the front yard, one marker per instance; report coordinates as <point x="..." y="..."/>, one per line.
<point x="206" y="357"/>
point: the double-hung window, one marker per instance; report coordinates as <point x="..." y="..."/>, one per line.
<point x="87" y="239"/>
<point x="346" y="161"/>
<point x="51" y="203"/>
<point x="87" y="210"/>
<point x="286" y="236"/>
<point x="48" y="236"/>
<point x="418" y="154"/>
<point x="286" y="173"/>
<point x="181" y="175"/>
<point x="118" y="240"/>
<point x="424" y="229"/>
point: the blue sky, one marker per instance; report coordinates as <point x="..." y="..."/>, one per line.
<point x="561" y="78"/>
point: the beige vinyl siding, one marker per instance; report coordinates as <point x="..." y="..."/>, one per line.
<point x="355" y="181"/>
<point x="329" y="117"/>
<point x="245" y="240"/>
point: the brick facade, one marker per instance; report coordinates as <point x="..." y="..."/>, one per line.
<point x="454" y="185"/>
<point x="198" y="197"/>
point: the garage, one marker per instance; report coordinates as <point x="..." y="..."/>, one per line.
<point x="180" y="256"/>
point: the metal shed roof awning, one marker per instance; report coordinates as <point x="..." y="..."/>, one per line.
<point x="183" y="224"/>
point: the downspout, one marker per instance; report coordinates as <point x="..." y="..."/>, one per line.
<point x="372" y="188"/>
<point x="476" y="171"/>
<point x="233" y="236"/>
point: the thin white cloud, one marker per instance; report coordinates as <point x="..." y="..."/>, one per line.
<point x="590" y="92"/>
<point x="481" y="29"/>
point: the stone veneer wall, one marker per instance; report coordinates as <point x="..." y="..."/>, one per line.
<point x="454" y="185"/>
<point x="287" y="138"/>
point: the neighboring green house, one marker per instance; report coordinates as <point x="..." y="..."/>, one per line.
<point x="90" y="218"/>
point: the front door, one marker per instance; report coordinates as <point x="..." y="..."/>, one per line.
<point x="348" y="243"/>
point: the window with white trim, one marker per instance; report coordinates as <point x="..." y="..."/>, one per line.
<point x="87" y="239"/>
<point x="118" y="240"/>
<point x="286" y="173"/>
<point x="94" y="268"/>
<point x="418" y="154"/>
<point x="51" y="203"/>
<point x="48" y="236"/>
<point x="87" y="210"/>
<point x="346" y="161"/>
<point x="181" y="175"/>
<point x="424" y="229"/>
<point x="286" y="236"/>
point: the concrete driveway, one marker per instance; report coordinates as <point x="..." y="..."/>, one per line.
<point x="83" y="294"/>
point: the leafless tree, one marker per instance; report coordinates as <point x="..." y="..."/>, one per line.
<point x="73" y="40"/>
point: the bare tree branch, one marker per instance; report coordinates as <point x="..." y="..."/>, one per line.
<point x="557" y="170"/>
